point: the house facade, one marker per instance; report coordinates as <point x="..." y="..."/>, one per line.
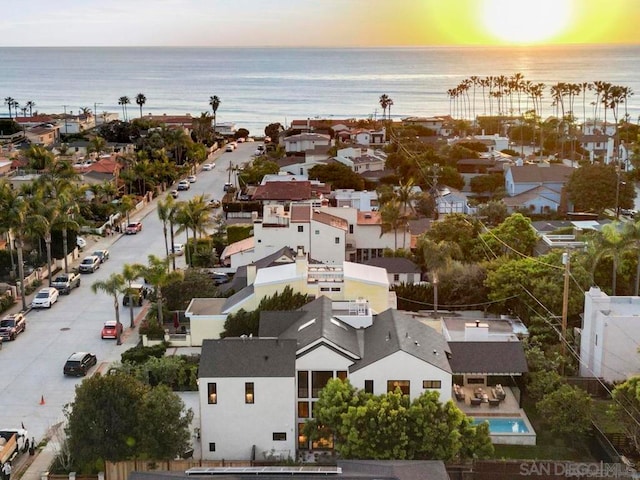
<point x="610" y="336"/>
<point x="247" y="398"/>
<point x="306" y="141"/>
<point x="542" y="183"/>
<point x="321" y="341"/>
<point x="362" y="160"/>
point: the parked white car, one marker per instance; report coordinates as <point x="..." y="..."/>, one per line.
<point x="81" y="242"/>
<point x="45" y="298"/>
<point x="208" y="166"/>
<point x="178" y="249"/>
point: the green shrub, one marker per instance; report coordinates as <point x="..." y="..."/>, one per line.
<point x="140" y="354"/>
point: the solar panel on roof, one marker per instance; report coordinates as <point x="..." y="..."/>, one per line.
<point x="271" y="470"/>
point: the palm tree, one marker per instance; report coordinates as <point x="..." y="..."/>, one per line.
<point x="129" y="274"/>
<point x="631" y="235"/>
<point x="141" y="100"/>
<point x="30" y="104"/>
<point x="195" y="216"/>
<point x="124" y="101"/>
<point x="8" y="101"/>
<point x="384" y="103"/>
<point x="42" y="221"/>
<point x="165" y="209"/>
<point x="158" y="275"/>
<point x="15" y="212"/>
<point x="610" y="244"/>
<point x="113" y="285"/>
<point x="391" y="219"/>
<point x="68" y="210"/>
<point x="214" y="101"/>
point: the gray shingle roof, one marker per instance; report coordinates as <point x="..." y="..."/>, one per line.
<point x="394" y="264"/>
<point x="317" y="323"/>
<point x="487" y="357"/>
<point x="238" y="297"/>
<point x="393" y="331"/>
<point x="247" y="357"/>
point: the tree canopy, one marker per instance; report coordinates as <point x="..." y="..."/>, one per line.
<point x="592" y="188"/>
<point x="116" y="417"/>
<point x="338" y="175"/>
<point x="247" y="323"/>
<point x="391" y="426"/>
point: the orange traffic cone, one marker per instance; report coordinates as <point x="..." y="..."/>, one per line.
<point x="42" y="400"/>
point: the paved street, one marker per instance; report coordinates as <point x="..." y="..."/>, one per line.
<point x="33" y="389"/>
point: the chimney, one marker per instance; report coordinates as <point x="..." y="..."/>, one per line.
<point x="301" y="262"/>
<point x="251" y="273"/>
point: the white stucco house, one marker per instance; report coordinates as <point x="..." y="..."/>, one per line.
<point x="247" y="398"/>
<point x="324" y="339"/>
<point x="306" y="141"/>
<point x="610" y="336"/>
<point x="330" y="234"/>
<point x="362" y="160"/>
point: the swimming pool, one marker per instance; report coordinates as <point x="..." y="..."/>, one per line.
<point x="503" y="425"/>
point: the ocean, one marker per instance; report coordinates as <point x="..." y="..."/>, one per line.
<point x="258" y="86"/>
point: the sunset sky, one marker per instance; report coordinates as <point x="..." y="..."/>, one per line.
<point x="341" y="23"/>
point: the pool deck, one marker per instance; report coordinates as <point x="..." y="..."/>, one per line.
<point x="508" y="408"/>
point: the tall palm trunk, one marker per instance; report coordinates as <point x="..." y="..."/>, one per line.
<point x="64" y="249"/>
<point x="159" y="305"/>
<point x="47" y="241"/>
<point x="172" y="239"/>
<point x="19" y="247"/>
<point x="116" y="306"/>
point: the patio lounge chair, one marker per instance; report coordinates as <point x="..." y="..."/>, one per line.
<point x="475" y="402"/>
<point x="494" y="402"/>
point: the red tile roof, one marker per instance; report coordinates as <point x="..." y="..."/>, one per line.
<point x="293" y="190"/>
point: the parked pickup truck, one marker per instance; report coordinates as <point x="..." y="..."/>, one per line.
<point x="65" y="282"/>
<point x="13" y="441"/>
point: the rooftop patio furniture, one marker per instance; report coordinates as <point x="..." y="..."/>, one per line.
<point x="475" y="402"/>
<point x="494" y="402"/>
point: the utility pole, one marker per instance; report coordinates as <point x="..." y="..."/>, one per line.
<point x="566" y="260"/>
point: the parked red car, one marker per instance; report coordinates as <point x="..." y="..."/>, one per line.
<point x="133" y="228"/>
<point x="111" y="329"/>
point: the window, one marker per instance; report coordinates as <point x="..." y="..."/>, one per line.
<point x="300" y="228"/>
<point x="212" y="393"/>
<point x="324" y="289"/>
<point x="403" y="385"/>
<point x="351" y="228"/>
<point x="341" y="374"/>
<point x="335" y="289"/>
<point x="212" y="447"/>
<point x="303" y="384"/>
<point x="396" y="277"/>
<point x="303" y="409"/>
<point x="317" y="232"/>
<point x="248" y="392"/>
<point x="337" y="240"/>
<point x="279" y="436"/>
<point x="368" y="386"/>
<point x="318" y="382"/>
<point x="431" y="384"/>
<point x="302" y="439"/>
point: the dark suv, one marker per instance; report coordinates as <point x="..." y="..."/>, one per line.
<point x="11" y="325"/>
<point x="137" y="292"/>
<point x="79" y="363"/>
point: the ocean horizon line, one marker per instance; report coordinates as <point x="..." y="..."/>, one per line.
<point x="336" y="47"/>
